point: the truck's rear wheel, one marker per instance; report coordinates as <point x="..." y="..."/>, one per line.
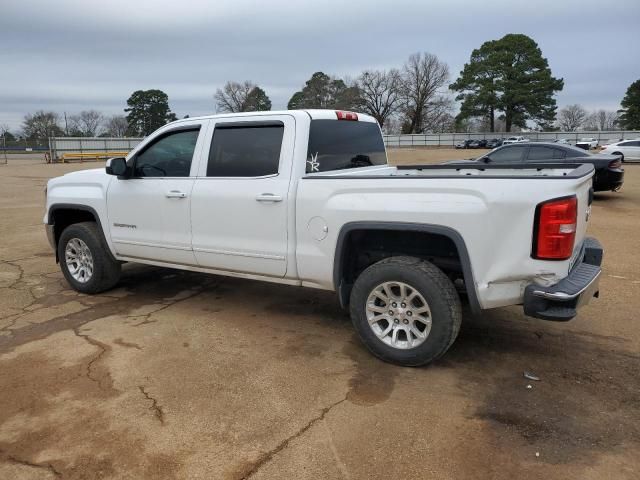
<point x="85" y="260"/>
<point x="405" y="310"/>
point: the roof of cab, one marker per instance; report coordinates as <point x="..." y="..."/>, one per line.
<point x="331" y="115"/>
<point x="314" y="114"/>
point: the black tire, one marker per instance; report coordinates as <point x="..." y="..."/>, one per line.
<point x="437" y="290"/>
<point x="620" y="155"/>
<point x="106" y="269"/>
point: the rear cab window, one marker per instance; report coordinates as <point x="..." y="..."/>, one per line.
<point x="344" y="144"/>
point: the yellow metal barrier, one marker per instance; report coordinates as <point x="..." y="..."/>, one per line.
<point x="91" y="156"/>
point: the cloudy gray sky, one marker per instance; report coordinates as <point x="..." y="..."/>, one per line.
<point x="68" y="55"/>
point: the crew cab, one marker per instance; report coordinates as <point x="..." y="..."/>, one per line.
<point x="307" y="198"/>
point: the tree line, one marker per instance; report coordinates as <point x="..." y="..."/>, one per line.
<point x="88" y="123"/>
<point x="575" y="117"/>
<point x="507" y="84"/>
<point x="147" y="110"/>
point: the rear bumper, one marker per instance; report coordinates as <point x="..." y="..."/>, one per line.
<point x="560" y="302"/>
<point x="610" y="179"/>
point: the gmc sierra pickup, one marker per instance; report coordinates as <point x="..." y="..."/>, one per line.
<point x="307" y="198"/>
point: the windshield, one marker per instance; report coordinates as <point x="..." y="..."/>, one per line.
<point x="340" y="144"/>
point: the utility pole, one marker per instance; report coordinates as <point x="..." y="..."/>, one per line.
<point x="4" y="146"/>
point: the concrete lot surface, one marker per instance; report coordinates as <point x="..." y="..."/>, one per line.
<point x="184" y="375"/>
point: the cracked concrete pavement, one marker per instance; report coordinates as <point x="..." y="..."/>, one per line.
<point x="184" y="375"/>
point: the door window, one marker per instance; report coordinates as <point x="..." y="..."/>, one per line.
<point x="575" y="152"/>
<point x="169" y="156"/>
<point x="510" y="154"/>
<point x="537" y="152"/>
<point x="251" y="149"/>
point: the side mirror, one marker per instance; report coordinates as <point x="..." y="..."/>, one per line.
<point x="486" y="159"/>
<point x="117" y="166"/>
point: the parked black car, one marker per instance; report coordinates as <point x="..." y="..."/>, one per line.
<point x="609" y="173"/>
<point x="494" y="143"/>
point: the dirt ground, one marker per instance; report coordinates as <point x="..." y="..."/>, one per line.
<point x="184" y="375"/>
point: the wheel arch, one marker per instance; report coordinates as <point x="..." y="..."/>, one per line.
<point x="342" y="249"/>
<point x="61" y="215"/>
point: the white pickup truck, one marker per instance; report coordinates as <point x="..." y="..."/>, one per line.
<point x="587" y="143"/>
<point x="307" y="198"/>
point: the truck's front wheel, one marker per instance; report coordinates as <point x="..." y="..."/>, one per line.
<point x="405" y="310"/>
<point x="85" y="260"/>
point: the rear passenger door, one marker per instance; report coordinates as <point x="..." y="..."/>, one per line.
<point x="239" y="207"/>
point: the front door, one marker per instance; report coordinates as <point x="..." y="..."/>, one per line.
<point x="239" y="207"/>
<point x="149" y="213"/>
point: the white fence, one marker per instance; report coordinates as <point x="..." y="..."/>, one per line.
<point x="58" y="146"/>
<point x="450" y="139"/>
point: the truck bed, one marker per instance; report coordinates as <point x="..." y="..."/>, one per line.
<point x="494" y="214"/>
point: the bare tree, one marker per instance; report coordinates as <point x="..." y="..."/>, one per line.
<point x="602" y="120"/>
<point x="422" y="75"/>
<point x="116" y="126"/>
<point x="379" y="93"/>
<point x="86" y="123"/>
<point x="437" y="113"/>
<point x="571" y="117"/>
<point x="392" y="125"/>
<point x="233" y="96"/>
<point x="41" y="125"/>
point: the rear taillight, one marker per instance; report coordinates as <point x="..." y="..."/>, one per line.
<point x="615" y="163"/>
<point x="555" y="229"/>
<point x="342" y="115"/>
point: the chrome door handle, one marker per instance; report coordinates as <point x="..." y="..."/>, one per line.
<point x="268" y="197"/>
<point x="176" y="194"/>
